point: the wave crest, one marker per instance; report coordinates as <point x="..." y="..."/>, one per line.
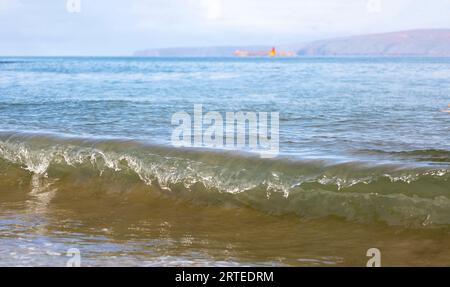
<point x="393" y="194"/>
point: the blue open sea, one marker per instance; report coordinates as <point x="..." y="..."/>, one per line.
<point x="86" y="162"/>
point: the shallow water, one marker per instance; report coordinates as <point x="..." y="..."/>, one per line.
<point x="86" y="162"/>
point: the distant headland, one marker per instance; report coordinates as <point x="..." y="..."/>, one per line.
<point x="225" y="51"/>
<point x="424" y="42"/>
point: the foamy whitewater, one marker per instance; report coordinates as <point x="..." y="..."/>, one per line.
<point x="86" y="162"/>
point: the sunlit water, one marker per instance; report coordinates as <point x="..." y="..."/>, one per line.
<point x="86" y="162"/>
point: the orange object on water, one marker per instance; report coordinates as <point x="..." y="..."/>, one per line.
<point x="273" y="53"/>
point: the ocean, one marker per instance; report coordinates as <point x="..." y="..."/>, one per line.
<point x="87" y="162"/>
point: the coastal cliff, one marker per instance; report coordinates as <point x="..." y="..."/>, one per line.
<point x="425" y="42"/>
<point x="431" y="42"/>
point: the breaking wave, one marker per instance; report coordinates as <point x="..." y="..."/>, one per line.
<point x="410" y="196"/>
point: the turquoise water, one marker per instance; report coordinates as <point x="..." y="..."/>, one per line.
<point x="329" y="107"/>
<point x="86" y="161"/>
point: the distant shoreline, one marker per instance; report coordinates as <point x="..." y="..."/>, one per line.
<point x="421" y="42"/>
<point x="215" y="57"/>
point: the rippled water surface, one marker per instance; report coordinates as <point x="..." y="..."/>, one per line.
<point x="86" y="162"/>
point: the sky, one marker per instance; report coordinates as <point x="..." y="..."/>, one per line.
<point x="120" y="27"/>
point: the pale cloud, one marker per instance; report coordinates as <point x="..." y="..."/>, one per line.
<point x="8" y="5"/>
<point x="213" y="9"/>
<point x="163" y="14"/>
<point x="299" y="17"/>
<point x="120" y="27"/>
